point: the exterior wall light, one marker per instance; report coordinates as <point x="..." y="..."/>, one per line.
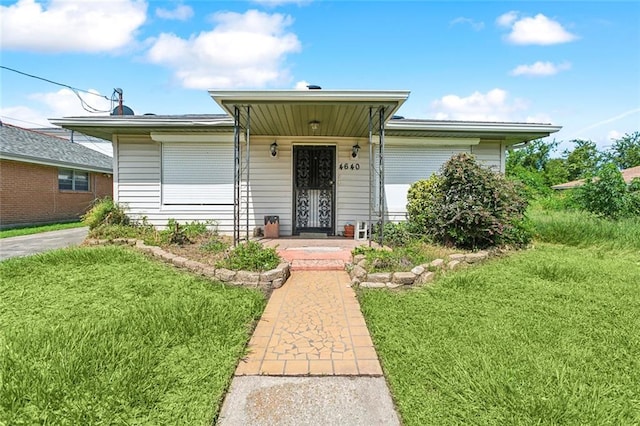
<point x="273" y="149"/>
<point x="315" y="125"/>
<point x="354" y="151"/>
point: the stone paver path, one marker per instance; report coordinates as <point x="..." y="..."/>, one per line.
<point x="312" y="326"/>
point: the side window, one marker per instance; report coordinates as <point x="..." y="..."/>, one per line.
<point x="73" y="180"/>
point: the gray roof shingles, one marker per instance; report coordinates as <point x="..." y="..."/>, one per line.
<point x="30" y="146"/>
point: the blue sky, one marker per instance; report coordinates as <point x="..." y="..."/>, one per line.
<point x="576" y="64"/>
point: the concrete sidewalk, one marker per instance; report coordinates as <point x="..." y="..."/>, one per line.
<point x="311" y="360"/>
<point x="27" y="245"/>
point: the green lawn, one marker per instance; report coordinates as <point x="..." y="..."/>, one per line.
<point x="545" y="336"/>
<point x="105" y="336"/>
<point x="28" y="230"/>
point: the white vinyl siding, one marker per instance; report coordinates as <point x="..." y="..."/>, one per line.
<point x="352" y="190"/>
<point x="197" y="174"/>
<point x="489" y="154"/>
<point x="405" y="165"/>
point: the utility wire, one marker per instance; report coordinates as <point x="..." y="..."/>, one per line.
<point x="75" y="90"/>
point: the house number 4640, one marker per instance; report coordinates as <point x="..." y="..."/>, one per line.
<point x="349" y="166"/>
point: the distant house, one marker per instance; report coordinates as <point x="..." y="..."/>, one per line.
<point x="97" y="144"/>
<point x="627" y="174"/>
<point x="317" y="159"/>
<point x="45" y="179"/>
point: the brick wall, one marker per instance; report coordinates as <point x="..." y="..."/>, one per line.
<point x="29" y="194"/>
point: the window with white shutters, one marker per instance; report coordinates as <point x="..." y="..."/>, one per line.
<point x="197" y="174"/>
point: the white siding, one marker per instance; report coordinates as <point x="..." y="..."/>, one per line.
<point x="407" y="164"/>
<point x="270" y="188"/>
<point x="489" y="154"/>
<point x="137" y="185"/>
<point x="352" y="193"/>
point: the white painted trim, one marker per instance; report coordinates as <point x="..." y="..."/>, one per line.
<point x="187" y="137"/>
<point x="116" y="175"/>
<point x="470" y="126"/>
<point x="430" y="141"/>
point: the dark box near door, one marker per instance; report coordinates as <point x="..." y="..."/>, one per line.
<point x="271" y="226"/>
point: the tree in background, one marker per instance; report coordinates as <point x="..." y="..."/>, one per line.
<point x="583" y="161"/>
<point x="625" y="152"/>
<point x="533" y="166"/>
<point x="608" y="195"/>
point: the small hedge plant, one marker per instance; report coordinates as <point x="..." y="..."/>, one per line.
<point x="251" y="256"/>
<point x="469" y="206"/>
<point x="105" y="212"/>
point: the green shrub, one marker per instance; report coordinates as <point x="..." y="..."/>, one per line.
<point x="401" y="258"/>
<point x="251" y="256"/>
<point x="607" y="194"/>
<point x="474" y="208"/>
<point x="421" y="201"/>
<point x="398" y="234"/>
<point x="215" y="245"/>
<point x="105" y="212"/>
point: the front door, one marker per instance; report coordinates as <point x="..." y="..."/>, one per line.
<point x="314" y="189"/>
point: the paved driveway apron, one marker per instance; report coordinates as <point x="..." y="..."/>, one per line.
<point x="27" y="245"/>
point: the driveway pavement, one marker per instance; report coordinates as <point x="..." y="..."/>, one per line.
<point x="27" y="245"/>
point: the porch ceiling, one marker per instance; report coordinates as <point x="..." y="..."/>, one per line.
<point x="289" y="113"/>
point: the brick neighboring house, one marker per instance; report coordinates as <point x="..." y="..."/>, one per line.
<point x="45" y="179"/>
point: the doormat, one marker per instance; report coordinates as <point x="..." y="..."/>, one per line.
<point x="313" y="235"/>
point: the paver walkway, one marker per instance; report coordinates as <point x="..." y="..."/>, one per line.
<point x="311" y="359"/>
<point x="312" y="326"/>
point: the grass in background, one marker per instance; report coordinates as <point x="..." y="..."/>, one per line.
<point x="582" y="229"/>
<point x="36" y="229"/>
<point x="546" y="336"/>
<point x="104" y="335"/>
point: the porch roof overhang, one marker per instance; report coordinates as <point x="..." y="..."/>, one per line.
<point x="105" y="127"/>
<point x="289" y="112"/>
<point x="509" y="132"/>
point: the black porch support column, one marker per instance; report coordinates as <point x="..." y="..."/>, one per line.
<point x="246" y="186"/>
<point x="381" y="171"/>
<point x="236" y="175"/>
<point x="371" y="165"/>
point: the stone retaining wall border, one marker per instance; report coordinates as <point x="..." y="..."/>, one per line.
<point x="267" y="280"/>
<point x="419" y="275"/>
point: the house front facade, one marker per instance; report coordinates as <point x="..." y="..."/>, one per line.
<point x="316" y="159"/>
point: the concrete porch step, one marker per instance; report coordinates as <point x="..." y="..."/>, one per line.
<point x="316" y="258"/>
<point x="317" y="265"/>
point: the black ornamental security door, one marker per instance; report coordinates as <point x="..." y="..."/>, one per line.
<point x="314" y="177"/>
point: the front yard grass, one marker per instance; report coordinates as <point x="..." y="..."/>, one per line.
<point x="103" y="335"/>
<point x="544" y="336"/>
<point x="29" y="230"/>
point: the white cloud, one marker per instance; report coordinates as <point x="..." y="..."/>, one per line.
<point x="613" y="135"/>
<point x="63" y="103"/>
<point x="476" y="25"/>
<point x="540" y="69"/>
<point x="242" y="50"/>
<point x="180" y="13"/>
<point x="494" y="105"/>
<point x="301" y="85"/>
<point x="534" y="30"/>
<point x="507" y="19"/>
<point x="71" y="25"/>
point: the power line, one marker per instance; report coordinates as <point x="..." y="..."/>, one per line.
<point x="75" y="91"/>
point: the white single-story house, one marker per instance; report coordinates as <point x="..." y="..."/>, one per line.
<point x="317" y="159"/>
